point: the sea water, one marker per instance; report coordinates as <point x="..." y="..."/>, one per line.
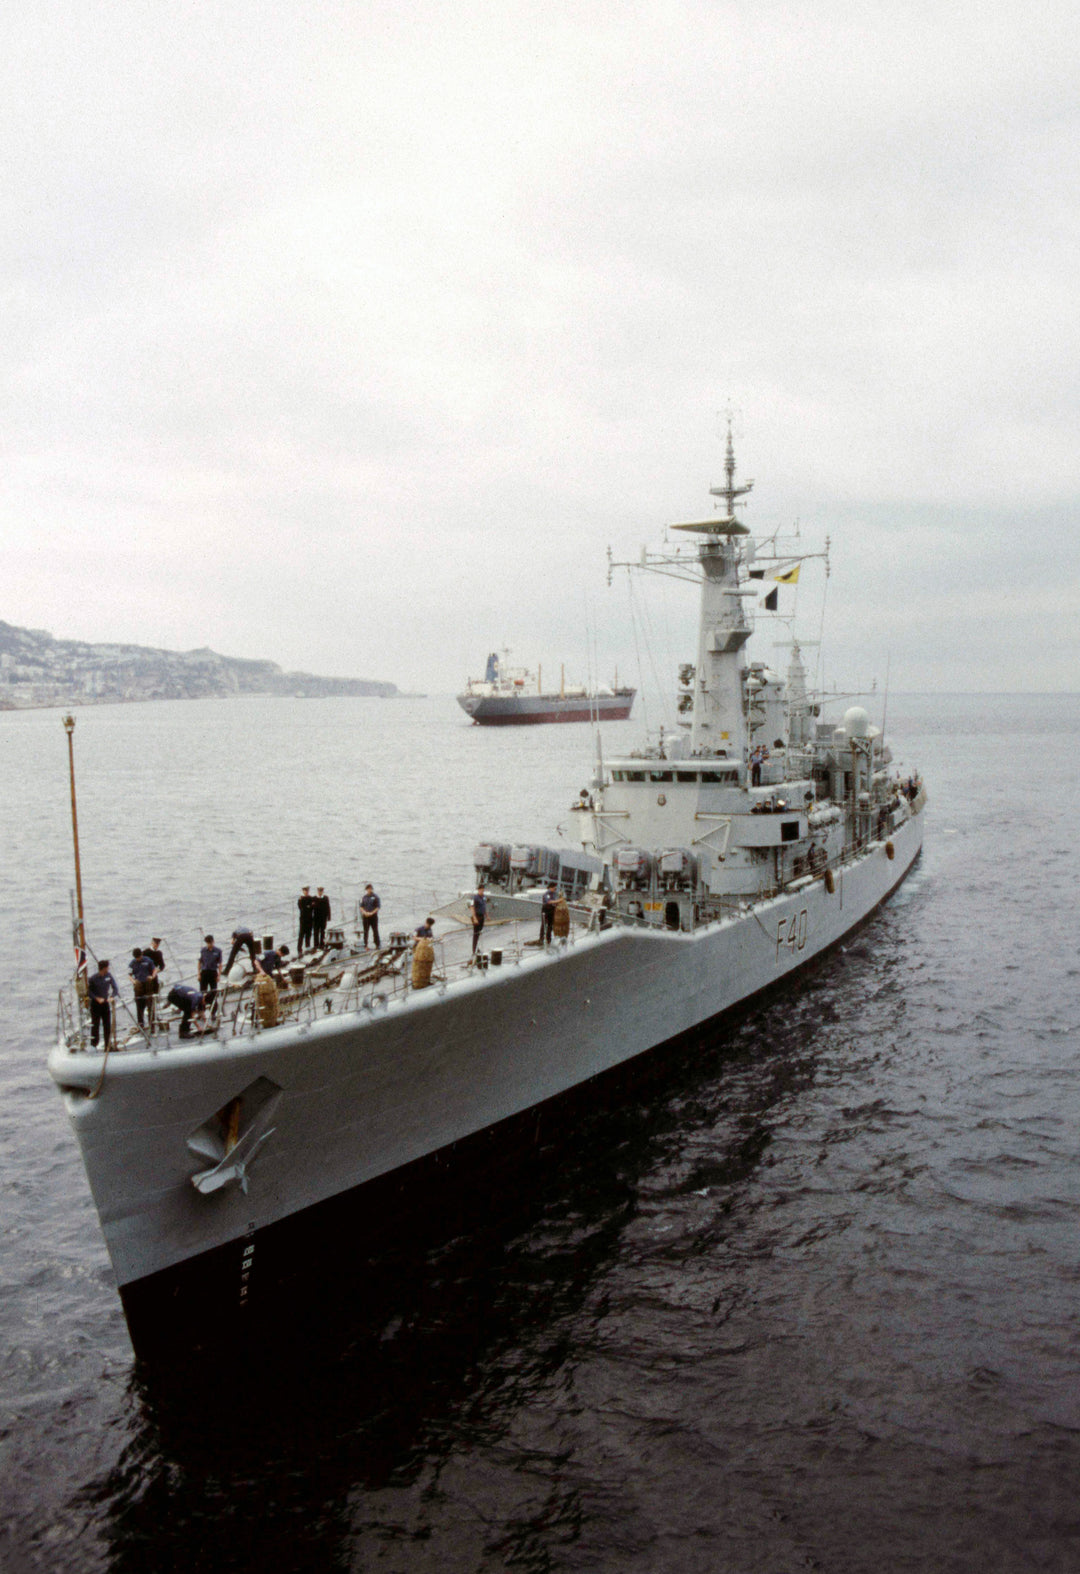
<point x="810" y="1300"/>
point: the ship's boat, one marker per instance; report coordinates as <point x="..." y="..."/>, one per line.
<point x="706" y="867"/>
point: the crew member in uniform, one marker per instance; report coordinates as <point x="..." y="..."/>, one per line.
<point x="143" y="973"/>
<point x="242" y="939"/>
<point x="321" y="916"/>
<point x="209" y="970"/>
<point x="369" y="914"/>
<point x="547" y="913"/>
<point x="478" y="913"/>
<point x="306" y="904"/>
<point x="189" y="1001"/>
<point x="154" y="952"/>
<point x="270" y="963"/>
<point x="102" y="990"/>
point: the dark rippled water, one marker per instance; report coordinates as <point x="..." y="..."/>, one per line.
<point x="810" y="1301"/>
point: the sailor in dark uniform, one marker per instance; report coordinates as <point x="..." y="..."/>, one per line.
<point x="306" y="904"/>
<point x="321" y="917"/>
<point x="188" y="1001"/>
<point x="209" y="970"/>
<point x="242" y="939"/>
<point x="547" y="913"/>
<point x="271" y="963"/>
<point x="369" y="914"/>
<point x="478" y="913"/>
<point x="102" y="990"/>
<point x="154" y="952"/>
<point x="141" y="968"/>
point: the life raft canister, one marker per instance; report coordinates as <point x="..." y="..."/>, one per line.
<point x="423" y="959"/>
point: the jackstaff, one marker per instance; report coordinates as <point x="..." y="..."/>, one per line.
<point x="69" y="728"/>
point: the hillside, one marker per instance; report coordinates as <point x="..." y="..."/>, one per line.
<point x="36" y="669"/>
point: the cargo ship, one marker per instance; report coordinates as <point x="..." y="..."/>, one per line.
<point x="514" y="697"/>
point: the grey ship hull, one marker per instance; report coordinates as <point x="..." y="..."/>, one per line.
<point x="381" y="1107"/>
<point x="519" y="710"/>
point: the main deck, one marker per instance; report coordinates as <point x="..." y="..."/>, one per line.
<point x="340" y="978"/>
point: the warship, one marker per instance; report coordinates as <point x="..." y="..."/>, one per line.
<point x="704" y="869"/>
<point x="514" y="697"/>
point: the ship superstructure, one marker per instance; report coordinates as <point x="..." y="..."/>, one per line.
<point x="755" y="794"/>
<point x="709" y="865"/>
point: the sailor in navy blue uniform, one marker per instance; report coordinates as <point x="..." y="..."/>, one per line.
<point x="143" y="972"/>
<point x="369" y="914"/>
<point x="188" y="1001"/>
<point x="209" y="970"/>
<point x="478" y="913"/>
<point x="320" y="914"/>
<point x="547" y="913"/>
<point x="241" y="939"/>
<point x="305" y="902"/>
<point x="102" y="990"/>
<point x="157" y="956"/>
<point x="270" y="963"/>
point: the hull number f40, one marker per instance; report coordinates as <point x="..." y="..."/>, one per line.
<point x="791" y="932"/>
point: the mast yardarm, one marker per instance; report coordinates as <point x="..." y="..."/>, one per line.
<point x="729" y="491"/>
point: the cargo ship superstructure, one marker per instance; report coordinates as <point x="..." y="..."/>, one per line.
<point x="708" y="866"/>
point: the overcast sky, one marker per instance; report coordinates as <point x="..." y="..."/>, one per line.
<point x="351" y="335"/>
